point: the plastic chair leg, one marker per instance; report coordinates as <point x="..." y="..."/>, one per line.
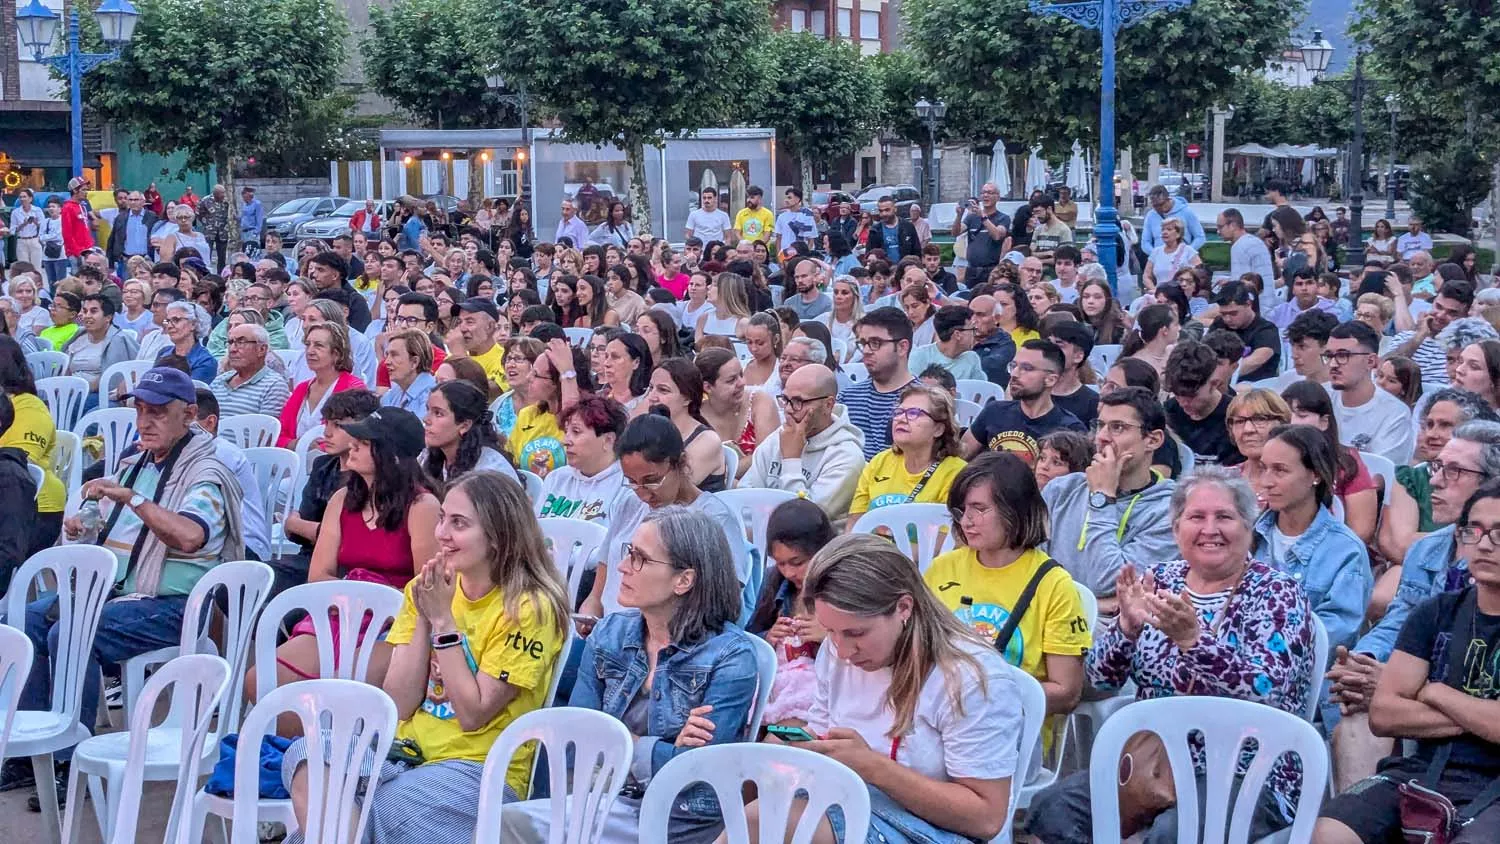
<point x="42" y="769"/>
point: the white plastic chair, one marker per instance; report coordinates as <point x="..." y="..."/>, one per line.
<point x="1047" y="776"/>
<point x="779" y="772"/>
<point x="1383" y="468"/>
<point x="197" y="683"/>
<point x="856" y="371"/>
<point x="127" y="373"/>
<point x="83" y="575"/>
<point x="38" y="476"/>
<point x="1103" y="357"/>
<point x="920" y="531"/>
<point x="1186" y="457"/>
<point x="250" y="430"/>
<point x="731" y="464"/>
<point x="582" y="790"/>
<point x="16" y="654"/>
<point x="64" y="395"/>
<point x="765" y="674"/>
<point x="47" y="364"/>
<point x="345" y="657"/>
<point x="979" y="392"/>
<point x="274" y="467"/>
<point x="742" y="351"/>
<point x="67" y="464"/>
<point x="1321" y="649"/>
<point x="579" y="337"/>
<point x="1033" y="721"/>
<point x="116" y="427"/>
<point x="1225" y="725"/>
<point x="495" y="408"/>
<point x="289" y="357"/>
<point x="575" y="545"/>
<point x="532" y="482"/>
<point x="964" y="412"/>
<point x="840" y="349"/>
<point x="358" y="719"/>
<point x="753" y="506"/>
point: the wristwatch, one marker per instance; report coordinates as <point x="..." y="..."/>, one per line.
<point x="1098" y="500"/>
<point x="570" y="375"/>
<point x="447" y="640"/>
<point x="137" y="500"/>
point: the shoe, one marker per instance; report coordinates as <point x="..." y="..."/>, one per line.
<point x="60" y="782"/>
<point x="114" y="693"/>
<point x="16" y="773"/>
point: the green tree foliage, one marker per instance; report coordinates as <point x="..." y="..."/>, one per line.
<point x="627" y="72"/>
<point x="903" y="81"/>
<point x="220" y="80"/>
<point x="1009" y="73"/>
<point x="1443" y="49"/>
<point x="1447" y="183"/>
<point x="416" y="54"/>
<point x="820" y="101"/>
<point x="1270" y="113"/>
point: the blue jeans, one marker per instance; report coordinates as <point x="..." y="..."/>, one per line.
<point x="126" y="629"/>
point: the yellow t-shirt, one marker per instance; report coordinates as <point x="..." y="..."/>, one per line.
<point x="35" y="433"/>
<point x="493" y="363"/>
<point x="522" y="652"/>
<point x="536" y="433"/>
<point x="755" y="225"/>
<point x="885" y="481"/>
<point x="1021" y="335"/>
<point x="1054" y="624"/>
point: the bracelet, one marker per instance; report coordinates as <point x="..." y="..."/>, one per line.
<point x="447" y="640"/>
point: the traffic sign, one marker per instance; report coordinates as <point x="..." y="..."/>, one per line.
<point x="1193" y="150"/>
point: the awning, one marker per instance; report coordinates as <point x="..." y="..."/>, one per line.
<point x="1282" y="151"/>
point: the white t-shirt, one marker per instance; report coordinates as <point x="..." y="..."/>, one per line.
<point x="1380" y="426"/>
<point x="568" y="494"/>
<point x="1069" y="295"/>
<point x="627" y="517"/>
<point x="981" y="743"/>
<point x="708" y="226"/>
<point x="86" y="358"/>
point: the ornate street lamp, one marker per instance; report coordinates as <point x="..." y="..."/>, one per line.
<point x="931" y="114"/>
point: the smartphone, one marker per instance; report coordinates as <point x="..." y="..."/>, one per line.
<point x="590" y="619"/>
<point x="790" y="733"/>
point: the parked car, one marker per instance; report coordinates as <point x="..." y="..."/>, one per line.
<point x="940" y="216"/>
<point x="286" y="217"/>
<point x="822" y="199"/>
<point x="337" y="223"/>
<point x="446" y="202"/>
<point x="905" y="196"/>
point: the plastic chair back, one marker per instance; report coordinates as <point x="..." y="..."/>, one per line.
<point x="247" y="586"/>
<point x="579" y="337"/>
<point x="856" y="371"/>
<point x="116" y="427"/>
<point x="66" y="464"/>
<point x="47" y="364"/>
<point x="197" y="683"/>
<point x="588" y="755"/>
<point x="1225" y="725"/>
<point x="1033" y="721"/>
<point x="250" y="430"/>
<point x="765" y="673"/>
<point x="532" y="483"/>
<point x="126" y="373"/>
<point x="1383" y="468"/>
<point x="753" y="507"/>
<point x="920" y="531"/>
<point x="343" y="654"/>
<point x="82" y="576"/>
<point x="778" y="772"/>
<point x="979" y="392"/>
<point x="274" y="468"/>
<point x="38" y="477"/>
<point x="1103" y="357"/>
<point x="1186" y="457"/>
<point x="575" y="545"/>
<point x="731" y="464"/>
<point x="16" y="654"/>
<point x="358" y="722"/>
<point x="964" y="412"/>
<point x="64" y="395"/>
<point x="1321" y="656"/>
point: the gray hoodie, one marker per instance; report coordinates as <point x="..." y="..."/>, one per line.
<point x="118" y="347"/>
<point x="827" y="472"/>
<point x="1145" y="541"/>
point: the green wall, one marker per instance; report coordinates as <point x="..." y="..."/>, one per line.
<point x="137" y="169"/>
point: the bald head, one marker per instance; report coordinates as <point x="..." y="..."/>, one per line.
<point x="984" y="309"/>
<point x="808" y="397"/>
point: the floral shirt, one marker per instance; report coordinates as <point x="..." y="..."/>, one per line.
<point x="1260" y="651"/>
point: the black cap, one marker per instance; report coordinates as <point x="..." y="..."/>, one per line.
<point x="480" y="305"/>
<point x="1076" y="333"/>
<point x="397" y="428"/>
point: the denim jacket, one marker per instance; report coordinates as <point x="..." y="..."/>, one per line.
<point x="718" y="671"/>
<point x="1424" y="573"/>
<point x="1331" y="563"/>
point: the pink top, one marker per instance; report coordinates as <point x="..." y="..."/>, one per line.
<point x="373" y="554"/>
<point x="677" y="284"/>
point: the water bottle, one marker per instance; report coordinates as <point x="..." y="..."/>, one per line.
<point x="89" y="516"/>
<point x="966" y="610"/>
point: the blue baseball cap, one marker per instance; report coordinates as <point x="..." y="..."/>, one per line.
<point x="164" y="385"/>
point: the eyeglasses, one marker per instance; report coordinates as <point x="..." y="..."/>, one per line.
<point x="968" y="328"/>
<point x="243" y="341"/>
<point x="1470" y="534"/>
<point x="1115" y="428"/>
<point x="795" y="405"/>
<point x="872" y="344"/>
<point x="638" y="560"/>
<point x="406" y="321"/>
<point x="1451" y="471"/>
<point x="1260" y="420"/>
<point x="1026" y="369"/>
<point x="978" y="510"/>
<point x="255" y="297"/>
<point x="796" y="361"/>
<point x="175" y="321"/>
<point x="910" y="414"/>
<point x="1341" y="357"/>
<point x="650" y="485"/>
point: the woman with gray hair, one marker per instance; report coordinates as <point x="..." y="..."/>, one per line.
<point x="671" y="664"/>
<point x="1214" y="623"/>
<point x="361" y="348"/>
<point x="183" y="237"/>
<point x="181" y="325"/>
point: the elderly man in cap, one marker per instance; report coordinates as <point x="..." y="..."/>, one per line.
<point x="169" y="513"/>
<point x="476" y="325"/>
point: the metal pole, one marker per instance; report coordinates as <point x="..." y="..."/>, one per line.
<point x="523" y="185"/>
<point x="75" y="93"/>
<point x="932" y="186"/>
<point x="1390" y="173"/>
<point x="1357" y="165"/>
<point x="1106" y="218"/>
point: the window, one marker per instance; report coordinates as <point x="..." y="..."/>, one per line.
<point x="819" y="23"/>
<point x="869" y="26"/>
<point x="799" y="20"/>
<point x="846" y="23"/>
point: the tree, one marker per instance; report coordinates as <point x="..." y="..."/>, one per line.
<point x="1446" y="184"/>
<point x="220" y="80"/>
<point x="821" y="100"/>
<point x="1007" y="72"/>
<point x="626" y="72"/>
<point x="416" y="55"/>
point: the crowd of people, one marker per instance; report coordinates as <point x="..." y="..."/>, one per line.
<point x="1304" y="447"/>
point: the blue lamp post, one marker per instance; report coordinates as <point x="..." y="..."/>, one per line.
<point x="1109" y="17"/>
<point x="36" y="27"/>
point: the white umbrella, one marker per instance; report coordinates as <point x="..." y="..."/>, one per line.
<point x="1078" y="172"/>
<point x="1000" y="168"/>
<point x="1036" y="171"/>
<point x="1309" y="171"/>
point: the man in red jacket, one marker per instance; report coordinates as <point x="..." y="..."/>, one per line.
<point x="366" y="220"/>
<point x="77" y="232"/>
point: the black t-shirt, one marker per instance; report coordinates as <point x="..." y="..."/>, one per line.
<point x="1261" y="333"/>
<point x="1003" y="426"/>
<point x="1462" y="655"/>
<point x="1082" y="402"/>
<point x="323" y="479"/>
<point x="1208" y="438"/>
<point x="1167" y="456"/>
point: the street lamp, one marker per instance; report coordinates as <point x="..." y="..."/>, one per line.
<point x="36" y="27"/>
<point x="1316" y="54"/>
<point x="1107" y="16"/>
<point x="521" y="102"/>
<point x="1393" y="106"/>
<point x="931" y="114"/>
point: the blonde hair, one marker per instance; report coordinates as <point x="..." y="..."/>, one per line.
<point x="418" y="345"/>
<point x="866" y="575"/>
<point x="1257" y="402"/>
<point x="946" y="443"/>
<point x="338" y="343"/>
<point x="730" y="288"/>
<point x="859" y="308"/>
<point x="1384" y="303"/>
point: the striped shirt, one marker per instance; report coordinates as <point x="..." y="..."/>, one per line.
<point x="266" y="393"/>
<point x="203" y="504"/>
<point x="871" y="411"/>
<point x="1429" y="357"/>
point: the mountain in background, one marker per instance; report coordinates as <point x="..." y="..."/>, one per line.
<point x="1331" y="16"/>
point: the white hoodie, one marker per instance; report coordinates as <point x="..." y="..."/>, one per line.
<point x="827" y="472"/>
